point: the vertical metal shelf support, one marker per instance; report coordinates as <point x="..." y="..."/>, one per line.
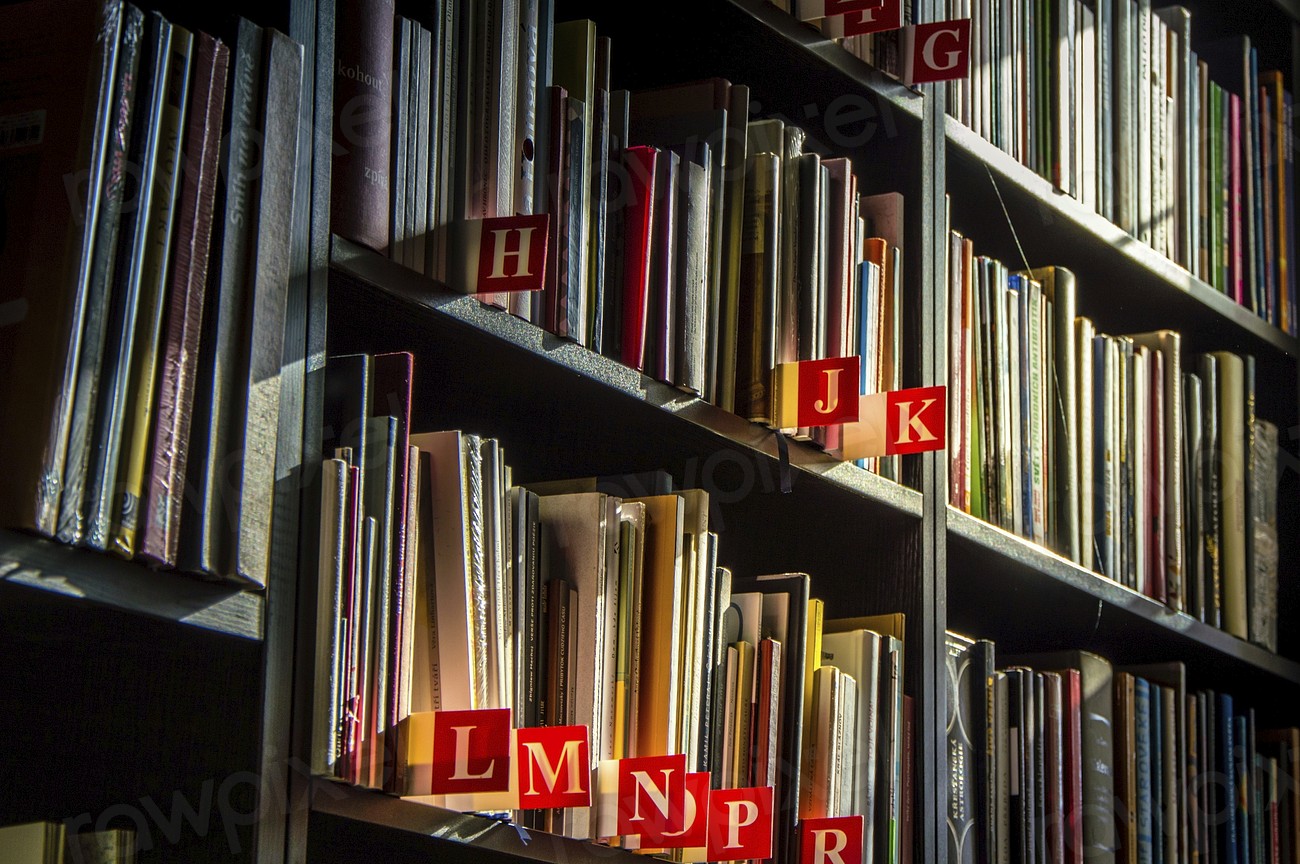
<point x="316" y="26"/>
<point x="285" y="774"/>
<point x="931" y="719"/>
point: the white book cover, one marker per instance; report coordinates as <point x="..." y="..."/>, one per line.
<point x="858" y="654"/>
<point x="1114" y="430"/>
<point x="330" y="624"/>
<point x="1146" y="139"/>
<point x="574" y="536"/>
<point x="1126" y="125"/>
<point x="1087" y="118"/>
<point x="447" y="558"/>
<point x="846" y="746"/>
<point x="1084" y="332"/>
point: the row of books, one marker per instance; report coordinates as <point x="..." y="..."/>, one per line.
<point x="148" y="280"/>
<point x="53" y="843"/>
<point x="1180" y="140"/>
<point x="1086" y="761"/>
<point x="685" y="240"/>
<point x="1104" y="449"/>
<point x="446" y="585"/>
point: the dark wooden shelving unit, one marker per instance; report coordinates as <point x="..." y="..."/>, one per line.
<point x="351" y="824"/>
<point x="181" y="685"/>
<point x="945" y="568"/>
<point x="512" y="341"/>
<point x="1024" y="596"/>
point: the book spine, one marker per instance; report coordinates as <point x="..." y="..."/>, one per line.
<point x="961" y="774"/>
<point x="128" y="276"/>
<point x="177" y="367"/>
<point x="760" y="261"/>
<point x="210" y="510"/>
<point x="639" y="164"/>
<point x="144" y="374"/>
<point x="94" y="335"/>
<point x="257" y="439"/>
<point x="363" y="122"/>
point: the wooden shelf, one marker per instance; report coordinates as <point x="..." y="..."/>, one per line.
<point x="1131" y="259"/>
<point x="817" y="48"/>
<point x="128" y="586"/>
<point x="674" y="406"/>
<point x="1025" y="596"/>
<point x="419" y="829"/>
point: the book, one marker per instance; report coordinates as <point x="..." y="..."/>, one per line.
<point x="257" y="430"/>
<point x="169" y="445"/>
<point x="139" y="198"/>
<point x="756" y="348"/>
<point x="1098" y="745"/>
<point x="363" y="117"/>
<point x="1230" y="457"/>
<point x="858" y="654"/>
<point x="657" y="707"/>
<point x="1262" y="537"/>
<point x="785" y="618"/>
<point x="963" y="791"/>
<point x="206" y="520"/>
<point x="95" y="319"/>
<point x="157" y="266"/>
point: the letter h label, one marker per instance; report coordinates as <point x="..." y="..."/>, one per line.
<point x="511" y="254"/>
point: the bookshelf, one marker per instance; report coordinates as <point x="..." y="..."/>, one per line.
<point x="203" y="668"/>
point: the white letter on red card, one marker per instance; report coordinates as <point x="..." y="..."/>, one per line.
<point x="471" y="750"/>
<point x="832" y="841"/>
<point x="740" y="823"/>
<point x="552" y="756"/>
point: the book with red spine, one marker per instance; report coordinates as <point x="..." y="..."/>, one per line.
<point x="639" y="219"/>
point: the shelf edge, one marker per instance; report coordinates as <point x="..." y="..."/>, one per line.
<point x="406" y="284"/>
<point x="1030" y="555"/>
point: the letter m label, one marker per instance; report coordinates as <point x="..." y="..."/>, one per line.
<point x="916" y="420"/>
<point x="554" y="767"/>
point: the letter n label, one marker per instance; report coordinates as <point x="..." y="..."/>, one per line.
<point x="652" y="797"/>
<point x="916" y="420"/>
<point x="471" y="751"/>
<point x="554" y="766"/>
<point x="831" y="841"/>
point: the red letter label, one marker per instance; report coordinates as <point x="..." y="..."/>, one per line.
<point x="740" y="823"/>
<point x="916" y="420"/>
<point x="695" y="831"/>
<point x="885" y="15"/>
<point x="471" y="751"/>
<point x="832" y="841"/>
<point x="936" y="52"/>
<point x="554" y="767"/>
<point x="652" y="797"/>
